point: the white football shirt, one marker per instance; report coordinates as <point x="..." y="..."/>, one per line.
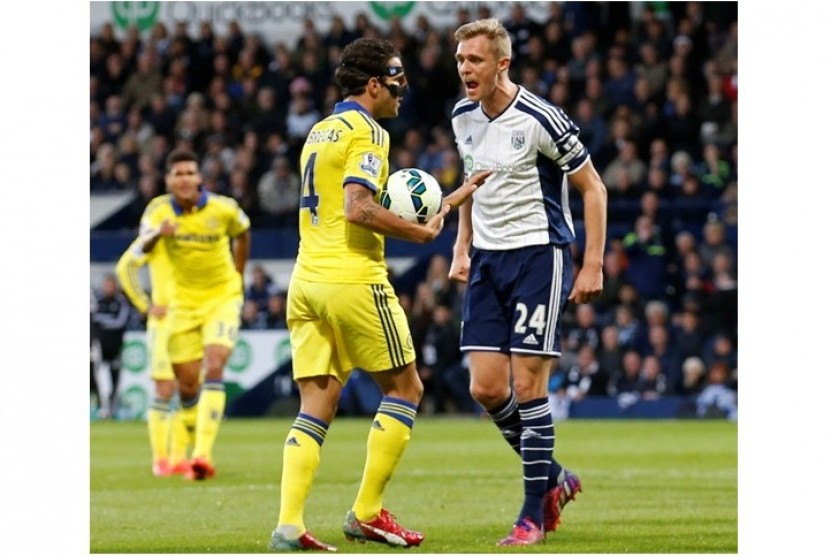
<point x="532" y="146"/>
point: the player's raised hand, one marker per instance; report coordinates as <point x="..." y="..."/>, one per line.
<point x="436" y="223"/>
<point x="465" y="191"/>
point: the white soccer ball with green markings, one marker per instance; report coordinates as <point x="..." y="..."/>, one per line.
<point x="412" y="194"/>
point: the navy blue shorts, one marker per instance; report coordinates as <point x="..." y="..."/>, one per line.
<point x="515" y="300"/>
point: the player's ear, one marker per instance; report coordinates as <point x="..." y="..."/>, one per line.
<point x="373" y="86"/>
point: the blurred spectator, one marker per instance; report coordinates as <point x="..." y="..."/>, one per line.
<point x="716" y="399"/>
<point x="259" y="288"/>
<point x="103" y="177"/>
<point x="112" y="311"/>
<point x="630" y="298"/>
<point x="301" y="114"/>
<point x="161" y="116"/>
<point x="628" y="381"/>
<point x="148" y="189"/>
<point x="521" y="28"/>
<point x="94" y="353"/>
<point x="619" y="86"/>
<point x="240" y="188"/>
<point x="444" y="290"/>
<point x="720" y="349"/>
<point x="714" y="110"/>
<point x="439" y="353"/>
<point x="115" y="75"/>
<point x="593" y="129"/>
<point x="113" y="121"/>
<point x="652" y="69"/>
<point x="694" y="373"/>
<point x="724" y="296"/>
<point x="252" y="318"/>
<point x="268" y="116"/>
<point x="714" y="242"/>
<point x="646" y="259"/>
<point x="652" y="383"/>
<point x="612" y="281"/>
<point x="586" y="377"/>
<point x="715" y="172"/>
<point x="626" y="161"/>
<point x="610" y="354"/>
<point x="628" y="327"/>
<point x="139" y="128"/>
<point x="279" y="193"/>
<point x="144" y="83"/>
<point x="689" y="338"/>
<point x="668" y="357"/>
<point x="681" y="168"/>
<point x="586" y="332"/>
<point x="275" y="316"/>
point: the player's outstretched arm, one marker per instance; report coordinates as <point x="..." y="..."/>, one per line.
<point x="588" y="283"/>
<point x="466" y="189"/>
<point x="362" y="210"/>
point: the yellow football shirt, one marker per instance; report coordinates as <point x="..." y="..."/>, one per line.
<point x="199" y="250"/>
<point x="348" y="146"/>
<point x="161" y="275"/>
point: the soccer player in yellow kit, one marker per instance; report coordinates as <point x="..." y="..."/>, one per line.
<point x="167" y="427"/>
<point x="197" y="228"/>
<point x="342" y="310"/>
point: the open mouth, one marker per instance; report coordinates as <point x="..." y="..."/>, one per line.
<point x="471" y="85"/>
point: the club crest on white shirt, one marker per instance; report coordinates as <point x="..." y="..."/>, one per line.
<point x="469" y="164"/>
<point x="518" y="140"/>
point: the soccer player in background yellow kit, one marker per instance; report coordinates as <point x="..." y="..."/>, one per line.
<point x="167" y="427"/>
<point x="342" y="310"/>
<point x="197" y="227"/>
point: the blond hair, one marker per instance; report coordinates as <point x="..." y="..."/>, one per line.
<point x="493" y="30"/>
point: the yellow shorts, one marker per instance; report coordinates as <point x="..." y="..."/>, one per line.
<point x="214" y="322"/>
<point x="335" y="328"/>
<point x="158" y="338"/>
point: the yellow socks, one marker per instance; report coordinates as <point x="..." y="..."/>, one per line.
<point x="209" y="414"/>
<point x="158" y="427"/>
<point x="180" y="437"/>
<point x="388" y="437"/>
<point x="300" y="459"/>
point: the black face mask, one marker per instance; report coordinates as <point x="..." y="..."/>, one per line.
<point x="394" y="89"/>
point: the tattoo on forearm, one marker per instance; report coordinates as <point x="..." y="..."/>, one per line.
<point x="367" y="212"/>
<point x="363" y="204"/>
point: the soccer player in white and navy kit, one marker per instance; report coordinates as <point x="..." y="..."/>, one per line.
<point x="512" y="249"/>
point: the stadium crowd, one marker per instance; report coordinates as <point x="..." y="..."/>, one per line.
<point x="655" y="97"/>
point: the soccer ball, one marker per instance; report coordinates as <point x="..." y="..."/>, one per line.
<point x="412" y="194"/>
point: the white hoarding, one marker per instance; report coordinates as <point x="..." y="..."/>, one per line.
<point x="283" y="21"/>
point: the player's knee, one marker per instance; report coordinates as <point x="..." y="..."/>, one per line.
<point x="487" y="395"/>
<point x="214" y="366"/>
<point x="188" y="389"/>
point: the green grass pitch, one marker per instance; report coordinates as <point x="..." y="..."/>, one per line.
<point x="649" y="487"/>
